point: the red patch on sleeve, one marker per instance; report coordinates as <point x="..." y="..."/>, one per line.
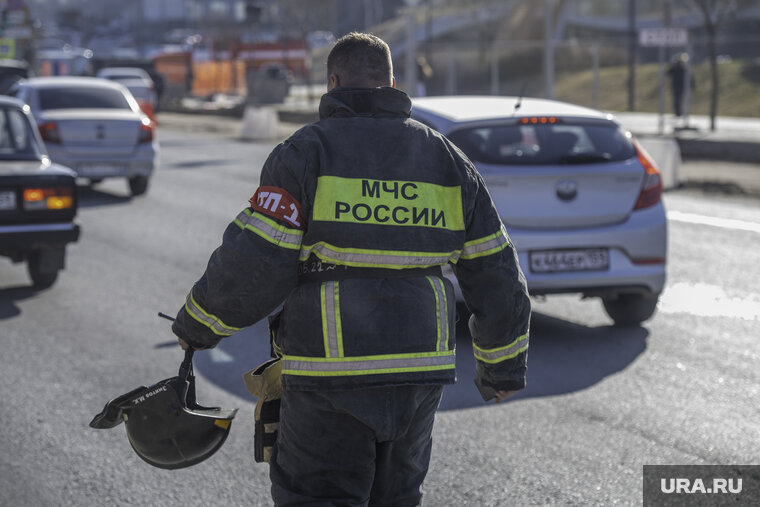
<point x="278" y="203"/>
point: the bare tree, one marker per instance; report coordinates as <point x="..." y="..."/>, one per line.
<point x="714" y="12"/>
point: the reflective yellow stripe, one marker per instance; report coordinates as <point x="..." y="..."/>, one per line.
<point x="368" y="365"/>
<point x="388" y="202"/>
<point x="338" y="325"/>
<point x="486" y="246"/>
<point x="441" y="312"/>
<point x="501" y="353"/>
<point x="331" y="326"/>
<point x="388" y="259"/>
<point x="210" y="321"/>
<point x="269" y="229"/>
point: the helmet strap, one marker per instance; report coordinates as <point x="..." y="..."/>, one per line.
<point x="186" y="374"/>
<point x="186" y="368"/>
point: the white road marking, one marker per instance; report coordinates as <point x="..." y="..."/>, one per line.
<point x="708" y="301"/>
<point x="725" y="223"/>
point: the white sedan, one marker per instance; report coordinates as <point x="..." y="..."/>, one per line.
<point x="580" y="198"/>
<point x="93" y="126"/>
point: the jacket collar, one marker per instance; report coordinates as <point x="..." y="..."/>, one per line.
<point x="367" y="102"/>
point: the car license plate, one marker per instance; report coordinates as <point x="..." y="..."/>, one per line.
<point x="99" y="169"/>
<point x="556" y="261"/>
<point x="7" y="199"/>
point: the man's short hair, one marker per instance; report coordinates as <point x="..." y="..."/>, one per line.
<point x="361" y="60"/>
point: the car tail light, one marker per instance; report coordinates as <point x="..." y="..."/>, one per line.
<point x="146" y="131"/>
<point x="49" y="132"/>
<point x="651" y="190"/>
<point x="48" y="198"/>
<point x="147" y="108"/>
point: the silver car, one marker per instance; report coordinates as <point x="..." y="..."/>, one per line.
<point x="94" y="126"/>
<point x="580" y="198"/>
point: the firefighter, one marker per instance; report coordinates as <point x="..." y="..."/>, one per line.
<point x="352" y="222"/>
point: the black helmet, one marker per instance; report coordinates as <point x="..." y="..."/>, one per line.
<point x="165" y="426"/>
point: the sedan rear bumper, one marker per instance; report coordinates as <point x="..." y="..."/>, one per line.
<point x="28" y="237"/>
<point x="140" y="163"/>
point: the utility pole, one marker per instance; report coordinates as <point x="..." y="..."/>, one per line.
<point x="369" y="15"/>
<point x="548" y="49"/>
<point x="411" y="47"/>
<point x="632" y="42"/>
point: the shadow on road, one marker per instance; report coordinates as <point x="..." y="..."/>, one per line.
<point x="727" y="188"/>
<point x="10" y="295"/>
<point x="90" y="197"/>
<point x="199" y="164"/>
<point x="564" y="357"/>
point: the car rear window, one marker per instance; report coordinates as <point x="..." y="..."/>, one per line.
<point x="87" y="97"/>
<point x="17" y="141"/>
<point x="559" y="143"/>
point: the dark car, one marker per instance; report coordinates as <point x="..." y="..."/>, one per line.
<point x="38" y="199"/>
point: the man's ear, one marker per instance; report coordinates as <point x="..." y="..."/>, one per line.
<point x="334" y="82"/>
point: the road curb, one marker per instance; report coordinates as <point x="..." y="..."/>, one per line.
<point x="724" y="150"/>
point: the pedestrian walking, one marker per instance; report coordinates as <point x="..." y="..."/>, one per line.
<point x="354" y="218"/>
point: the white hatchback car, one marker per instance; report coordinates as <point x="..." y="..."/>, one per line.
<point x="128" y="76"/>
<point x="93" y="126"/>
<point x="580" y="198"/>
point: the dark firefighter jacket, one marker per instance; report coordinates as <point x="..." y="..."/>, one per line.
<point x="354" y="216"/>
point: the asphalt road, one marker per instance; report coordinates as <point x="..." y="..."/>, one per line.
<point x="601" y="401"/>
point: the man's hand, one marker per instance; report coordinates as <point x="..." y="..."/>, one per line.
<point x="503" y="395"/>
<point x="183" y="344"/>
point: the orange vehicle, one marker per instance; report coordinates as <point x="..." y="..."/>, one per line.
<point x="204" y="73"/>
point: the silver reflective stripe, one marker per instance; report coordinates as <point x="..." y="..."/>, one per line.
<point x="441" y="312"/>
<point x="377" y="258"/>
<point x="502" y="353"/>
<point x="327" y="367"/>
<point x="331" y="326"/>
<point x="269" y="230"/>
<point x="486" y="246"/>
<point x="210" y="321"/>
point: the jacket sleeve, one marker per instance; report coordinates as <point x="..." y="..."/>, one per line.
<point x="496" y="294"/>
<point x="256" y="266"/>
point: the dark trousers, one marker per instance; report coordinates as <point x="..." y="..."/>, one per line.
<point x="677" y="102"/>
<point x="354" y="448"/>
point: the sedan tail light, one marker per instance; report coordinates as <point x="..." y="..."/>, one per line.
<point x="49" y="132"/>
<point x="146" y="131"/>
<point x="48" y="198"/>
<point x="651" y="190"/>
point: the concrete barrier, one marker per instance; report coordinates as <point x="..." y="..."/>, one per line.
<point x="260" y="123"/>
<point x="666" y="153"/>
